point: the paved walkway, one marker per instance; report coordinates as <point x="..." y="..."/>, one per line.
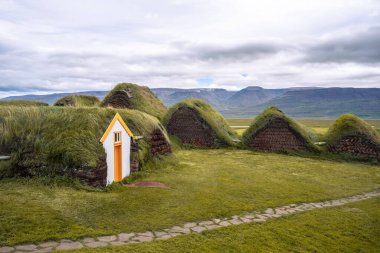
<point x="191" y="227"/>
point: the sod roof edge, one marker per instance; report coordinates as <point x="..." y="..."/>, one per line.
<point x="78" y="100"/>
<point x="211" y="116"/>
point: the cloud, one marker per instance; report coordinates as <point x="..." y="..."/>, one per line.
<point x="360" y="47"/>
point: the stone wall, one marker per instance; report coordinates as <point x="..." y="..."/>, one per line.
<point x="96" y="177"/>
<point x="158" y="143"/>
<point x="118" y="99"/>
<point x="358" y="145"/>
<point x="277" y="135"/>
<point x="190" y="128"/>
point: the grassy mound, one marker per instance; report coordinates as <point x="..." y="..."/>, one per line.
<point x="24" y="103"/>
<point x="210" y="119"/>
<point x="352" y="136"/>
<point x="59" y="140"/>
<point x="133" y="96"/>
<point x="348" y="125"/>
<point x="272" y="114"/>
<point x="78" y="101"/>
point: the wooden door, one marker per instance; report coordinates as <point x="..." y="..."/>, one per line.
<point x="117" y="163"/>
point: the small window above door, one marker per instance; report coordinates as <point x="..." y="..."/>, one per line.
<point x="117" y="137"/>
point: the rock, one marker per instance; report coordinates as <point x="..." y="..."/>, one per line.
<point x="245" y="220"/>
<point x="179" y="230"/>
<point x="142" y="239"/>
<point x="125" y="236"/>
<point x="67" y="245"/>
<point x="44" y="250"/>
<point x="212" y="226"/>
<point x="224" y="223"/>
<point x="26" y="247"/>
<point x="147" y="234"/>
<point x="235" y="221"/>
<point x="48" y="244"/>
<point x="205" y="223"/>
<point x="164" y="237"/>
<point x="96" y="244"/>
<point x="190" y="225"/>
<point x="269" y="211"/>
<point x="216" y="220"/>
<point x="117" y="243"/>
<point x="198" y="229"/>
<point x="159" y="233"/>
<point x="88" y="239"/>
<point x="108" y="238"/>
<point x="258" y="220"/>
<point x="6" y="249"/>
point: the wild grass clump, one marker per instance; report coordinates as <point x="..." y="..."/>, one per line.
<point x="78" y="101"/>
<point x="24" y="103"/>
<point x="271" y="113"/>
<point x="349" y="125"/>
<point x="212" y="117"/>
<point x="49" y="141"/>
<point x="142" y="99"/>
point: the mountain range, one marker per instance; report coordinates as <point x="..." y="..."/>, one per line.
<point x="250" y="101"/>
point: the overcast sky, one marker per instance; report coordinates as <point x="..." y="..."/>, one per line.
<point x="76" y="45"/>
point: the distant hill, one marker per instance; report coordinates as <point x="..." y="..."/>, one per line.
<point x="250" y="101"/>
<point x="253" y="95"/>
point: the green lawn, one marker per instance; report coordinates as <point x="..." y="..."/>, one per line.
<point x="205" y="184"/>
<point x="351" y="228"/>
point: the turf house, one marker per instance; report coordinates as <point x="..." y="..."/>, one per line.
<point x="351" y="135"/>
<point x="77" y="101"/>
<point x="133" y="96"/>
<point x="272" y="130"/>
<point x="196" y="123"/>
<point x="79" y="142"/>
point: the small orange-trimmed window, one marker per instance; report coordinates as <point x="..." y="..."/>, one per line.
<point x="117" y="137"/>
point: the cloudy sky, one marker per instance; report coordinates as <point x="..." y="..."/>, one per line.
<point x="76" y="45"/>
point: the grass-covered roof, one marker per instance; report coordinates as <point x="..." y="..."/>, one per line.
<point x="271" y="113"/>
<point x="349" y="125"/>
<point x="212" y="117"/>
<point x="25" y="103"/>
<point x="78" y="101"/>
<point x="138" y="97"/>
<point x="48" y="139"/>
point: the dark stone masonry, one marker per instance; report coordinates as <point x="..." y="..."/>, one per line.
<point x="190" y="128"/>
<point x="158" y="143"/>
<point x="358" y="145"/>
<point x="277" y="135"/>
<point x="96" y="177"/>
<point x="118" y="99"/>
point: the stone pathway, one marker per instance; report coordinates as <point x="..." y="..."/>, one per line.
<point x="191" y="227"/>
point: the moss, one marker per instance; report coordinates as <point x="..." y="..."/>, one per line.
<point x="142" y="99"/>
<point x="348" y="125"/>
<point x="78" y="101"/>
<point x="57" y="140"/>
<point x="25" y="103"/>
<point x="273" y="112"/>
<point x="212" y="117"/>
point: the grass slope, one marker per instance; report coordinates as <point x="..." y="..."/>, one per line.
<point x="24" y="103"/>
<point x="56" y="140"/>
<point x="78" y="101"/>
<point x="351" y="228"/>
<point x="205" y="184"/>
<point x="212" y="117"/>
<point x="271" y="113"/>
<point x="143" y="99"/>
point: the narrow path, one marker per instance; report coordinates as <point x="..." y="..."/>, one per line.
<point x="191" y="227"/>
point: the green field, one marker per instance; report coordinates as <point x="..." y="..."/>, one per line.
<point x="318" y="125"/>
<point x="351" y="228"/>
<point x="204" y="184"/>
